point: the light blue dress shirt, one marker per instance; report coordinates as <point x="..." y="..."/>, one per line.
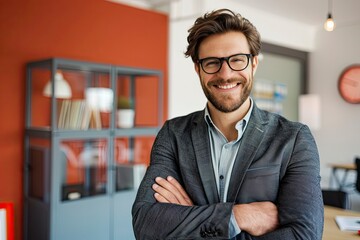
<point x="223" y="154"/>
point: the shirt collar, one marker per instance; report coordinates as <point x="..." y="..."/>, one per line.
<point x="241" y="123"/>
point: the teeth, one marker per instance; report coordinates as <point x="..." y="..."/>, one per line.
<point x="228" y="86"/>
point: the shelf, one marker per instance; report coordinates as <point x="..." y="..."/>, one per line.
<point x="79" y="155"/>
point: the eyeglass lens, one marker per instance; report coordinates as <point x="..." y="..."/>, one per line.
<point x="236" y="62"/>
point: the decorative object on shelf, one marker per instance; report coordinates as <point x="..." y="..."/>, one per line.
<point x="349" y="84"/>
<point x="125" y="113"/>
<point x="62" y="87"/>
<point x="329" y="24"/>
<point x="309" y="110"/>
<point x="99" y="98"/>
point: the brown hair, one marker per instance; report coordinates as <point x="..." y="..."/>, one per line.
<point x="221" y="21"/>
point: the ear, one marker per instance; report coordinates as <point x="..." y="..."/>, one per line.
<point x="255" y="62"/>
<point x="197" y="68"/>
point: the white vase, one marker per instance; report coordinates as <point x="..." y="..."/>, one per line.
<point x="125" y="118"/>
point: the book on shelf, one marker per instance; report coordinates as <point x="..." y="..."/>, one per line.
<point x="63" y="108"/>
<point x="85" y="121"/>
<point x="95" y="119"/>
<point x="76" y="114"/>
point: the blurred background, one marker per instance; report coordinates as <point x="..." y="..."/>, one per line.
<point x="299" y="74"/>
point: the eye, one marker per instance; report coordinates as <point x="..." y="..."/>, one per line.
<point x="211" y="62"/>
<point x="238" y="58"/>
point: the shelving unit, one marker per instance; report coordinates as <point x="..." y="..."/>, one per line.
<point x="270" y="95"/>
<point x="82" y="168"/>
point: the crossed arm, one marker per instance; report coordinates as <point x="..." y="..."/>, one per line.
<point x="255" y="218"/>
<point x="298" y="213"/>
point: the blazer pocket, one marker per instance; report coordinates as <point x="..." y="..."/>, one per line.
<point x="260" y="184"/>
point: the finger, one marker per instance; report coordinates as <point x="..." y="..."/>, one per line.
<point x="168" y="195"/>
<point x="160" y="198"/>
<point x="167" y="190"/>
<point x="172" y="189"/>
<point x="185" y="196"/>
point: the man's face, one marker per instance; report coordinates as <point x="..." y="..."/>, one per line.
<point x="227" y="89"/>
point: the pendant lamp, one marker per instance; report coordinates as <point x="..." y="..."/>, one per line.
<point x="329" y="24"/>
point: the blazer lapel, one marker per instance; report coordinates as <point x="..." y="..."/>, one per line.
<point x="200" y="138"/>
<point x="250" y="142"/>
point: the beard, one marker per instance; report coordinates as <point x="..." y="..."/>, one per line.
<point x="225" y="102"/>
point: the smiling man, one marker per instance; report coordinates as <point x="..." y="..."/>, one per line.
<point x="232" y="170"/>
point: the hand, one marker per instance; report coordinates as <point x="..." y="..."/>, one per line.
<point x="169" y="190"/>
<point x="256" y="218"/>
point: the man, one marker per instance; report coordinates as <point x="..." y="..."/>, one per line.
<point x="231" y="170"/>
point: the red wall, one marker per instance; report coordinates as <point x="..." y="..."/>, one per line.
<point x="89" y="30"/>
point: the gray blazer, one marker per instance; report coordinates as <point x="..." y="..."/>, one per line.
<point x="277" y="161"/>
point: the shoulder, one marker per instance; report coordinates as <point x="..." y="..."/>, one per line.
<point x="181" y="128"/>
<point x="283" y="131"/>
<point x="184" y="123"/>
<point x="276" y="122"/>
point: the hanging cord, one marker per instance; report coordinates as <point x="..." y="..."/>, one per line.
<point x="330" y="7"/>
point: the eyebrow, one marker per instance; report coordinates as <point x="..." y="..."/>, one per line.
<point x="225" y="56"/>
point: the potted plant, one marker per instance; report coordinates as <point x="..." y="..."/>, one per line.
<point x="125" y="112"/>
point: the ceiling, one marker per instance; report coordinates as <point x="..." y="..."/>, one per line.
<point x="312" y="12"/>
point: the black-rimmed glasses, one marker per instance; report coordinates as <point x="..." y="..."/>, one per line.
<point x="237" y="62"/>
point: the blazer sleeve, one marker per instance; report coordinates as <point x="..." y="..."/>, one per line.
<point x="153" y="220"/>
<point x="300" y="203"/>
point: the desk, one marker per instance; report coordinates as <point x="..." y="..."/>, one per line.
<point x="331" y="229"/>
<point x="346" y="167"/>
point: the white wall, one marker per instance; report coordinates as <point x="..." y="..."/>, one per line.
<point x="339" y="136"/>
<point x="273" y="28"/>
<point x="185" y="93"/>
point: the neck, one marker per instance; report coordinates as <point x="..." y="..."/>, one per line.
<point x="226" y="122"/>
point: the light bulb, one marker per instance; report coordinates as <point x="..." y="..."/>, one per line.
<point x="329" y="25"/>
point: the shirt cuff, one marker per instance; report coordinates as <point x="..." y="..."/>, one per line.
<point x="233" y="227"/>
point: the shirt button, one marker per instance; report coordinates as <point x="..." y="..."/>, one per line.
<point x="221" y="177"/>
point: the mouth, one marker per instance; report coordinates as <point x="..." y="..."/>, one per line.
<point x="227" y="86"/>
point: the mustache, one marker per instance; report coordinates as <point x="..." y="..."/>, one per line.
<point x="221" y="81"/>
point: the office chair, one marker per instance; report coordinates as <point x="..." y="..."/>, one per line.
<point x="336" y="198"/>
<point x="357" y="163"/>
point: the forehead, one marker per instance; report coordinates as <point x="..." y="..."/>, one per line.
<point x="223" y="45"/>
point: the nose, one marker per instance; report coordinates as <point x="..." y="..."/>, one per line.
<point x="225" y="70"/>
